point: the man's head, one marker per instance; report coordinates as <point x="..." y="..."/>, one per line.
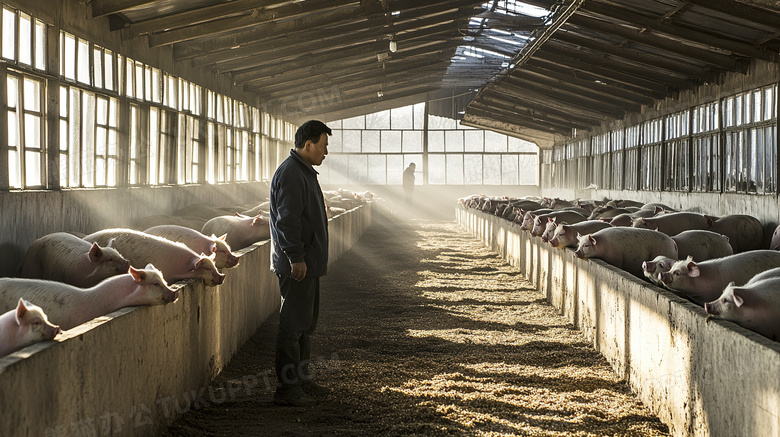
<point x="412" y="166"/>
<point x="311" y="141"/>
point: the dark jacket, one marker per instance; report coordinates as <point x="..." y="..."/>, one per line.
<point x="299" y="225"/>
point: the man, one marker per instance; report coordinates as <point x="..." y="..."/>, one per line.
<point x="299" y="231"/>
<point x="409" y="182"/>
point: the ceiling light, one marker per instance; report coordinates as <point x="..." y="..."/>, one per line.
<point x="380" y="93"/>
<point x="393" y="46"/>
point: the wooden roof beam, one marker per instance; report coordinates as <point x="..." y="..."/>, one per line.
<point x="509" y="119"/>
<point x="531" y="114"/>
<point x="533" y="106"/>
<point x="101" y="8"/>
<point x="576" y="95"/>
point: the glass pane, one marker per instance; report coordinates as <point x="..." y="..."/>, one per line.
<point x="32" y="132"/>
<point x="69" y="41"/>
<point x="32" y="95"/>
<point x="63" y="101"/>
<point x="63" y="136"/>
<point x="13" y="92"/>
<point x="97" y="60"/>
<point x="472" y="167"/>
<point x="495" y="142"/>
<point x="108" y="65"/>
<point x="9" y="34"/>
<point x="112" y="112"/>
<point x="83" y="62"/>
<point x="474" y="140"/>
<point x="509" y="170"/>
<point x="417" y="160"/>
<point x="491" y="169"/>
<point x="518" y="145"/>
<point x="454" y="169"/>
<point x="338" y="169"/>
<point x="453" y="141"/>
<point x="419" y="116"/>
<point x="102" y="111"/>
<point x="14" y="165"/>
<point x="335" y="141"/>
<point x="378" y="120"/>
<point x="395" y="169"/>
<point x="370" y="141"/>
<point x="436" y="122"/>
<point x="358" y="169"/>
<point x="25" y="39"/>
<point x="352" y="141"/>
<point x="401" y="118"/>
<point x="40" y="45"/>
<point x="528" y="169"/>
<point x="436" y="170"/>
<point x="435" y="141"/>
<point x="412" y="141"/>
<point x="355" y="123"/>
<point x="391" y="141"/>
<point x="32" y="163"/>
<point x="377" y="169"/>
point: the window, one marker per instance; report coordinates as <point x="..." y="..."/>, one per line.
<point x="26" y="151"/>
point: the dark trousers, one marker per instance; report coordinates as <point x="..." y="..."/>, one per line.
<point x="297" y="320"/>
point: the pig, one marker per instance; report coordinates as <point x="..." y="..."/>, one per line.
<point x="745" y="232"/>
<point x="560" y="203"/>
<point x="607" y="212"/>
<point x="655" y="206"/>
<point x="705" y="281"/>
<point x="70" y="306"/>
<point x="565" y="235"/>
<point x="262" y="207"/>
<point x="199" y="243"/>
<point x="653" y="268"/>
<point x="623" y="203"/>
<point x="175" y="260"/>
<point x="626" y="248"/>
<point x="528" y="218"/>
<point x="755" y="305"/>
<point x="242" y="231"/>
<point x="673" y="223"/>
<point x="67" y="258"/>
<point x="702" y="245"/>
<point x="774" y="243"/>
<point x="23" y="326"/>
<point x="542" y="220"/>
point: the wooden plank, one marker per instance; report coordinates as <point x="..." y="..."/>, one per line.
<point x="571" y="93"/>
<point x="534" y="107"/>
<point x="636" y="35"/>
<point x="743" y="11"/>
<point x="563" y="102"/>
<point x="324" y="11"/>
<point x="529" y="113"/>
<point x="676" y="32"/>
<point x="202" y="15"/>
<point x="509" y="119"/>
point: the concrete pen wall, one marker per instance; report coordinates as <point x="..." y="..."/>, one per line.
<point x="702" y="376"/>
<point x="133" y="371"/>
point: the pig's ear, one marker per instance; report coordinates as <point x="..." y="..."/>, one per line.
<point x="110" y="242"/>
<point x="21" y="310"/>
<point x="95" y="252"/>
<point x="213" y="248"/>
<point x="693" y="269"/>
<point x="138" y="275"/>
<point x="551" y="219"/>
<point x="708" y="220"/>
<point x="213" y="255"/>
<point x="255" y="220"/>
<point x="149" y="266"/>
<point x="592" y="240"/>
<point x="725" y="237"/>
<point x="223" y="237"/>
<point x="738" y="299"/>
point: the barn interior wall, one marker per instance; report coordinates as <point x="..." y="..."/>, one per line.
<point x="765" y="207"/>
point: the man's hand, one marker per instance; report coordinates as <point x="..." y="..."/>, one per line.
<point x="298" y="271"/>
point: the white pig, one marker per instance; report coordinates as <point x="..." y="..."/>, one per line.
<point x="673" y="223"/>
<point x="67" y="258"/>
<point x="198" y="242"/>
<point x="175" y="260"/>
<point x="653" y="268"/>
<point x="626" y="248"/>
<point x="755" y="305"/>
<point x="704" y="281"/>
<point x="702" y="245"/>
<point x="242" y="231"/>
<point x="23" y="326"/>
<point x="565" y="235"/>
<point x="70" y="306"/>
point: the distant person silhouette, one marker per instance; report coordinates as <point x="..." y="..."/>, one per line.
<point x="409" y="182"/>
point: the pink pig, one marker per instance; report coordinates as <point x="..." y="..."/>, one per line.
<point x="23" y="326"/>
<point x="175" y="260"/>
<point x="71" y="306"/>
<point x="755" y="305"/>
<point x="198" y="242"/>
<point x="241" y="230"/>
<point x="67" y="258"/>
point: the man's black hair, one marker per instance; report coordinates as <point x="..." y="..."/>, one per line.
<point x="311" y="130"/>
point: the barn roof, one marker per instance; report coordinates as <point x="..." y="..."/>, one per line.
<point x="535" y="68"/>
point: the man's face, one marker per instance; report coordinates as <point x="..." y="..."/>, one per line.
<point x="315" y="152"/>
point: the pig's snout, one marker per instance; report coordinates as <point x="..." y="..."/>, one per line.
<point x="544" y="239"/>
<point x="232" y="261"/>
<point x="219" y="278"/>
<point x="170" y="296"/>
<point x="665" y="277"/>
<point x="649" y="268"/>
<point x="578" y="254"/>
<point x="54" y="331"/>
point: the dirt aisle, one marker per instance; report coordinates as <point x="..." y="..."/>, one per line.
<point x="425" y="332"/>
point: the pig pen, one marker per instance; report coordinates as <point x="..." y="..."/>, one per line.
<point x="133" y="371"/>
<point x="701" y="376"/>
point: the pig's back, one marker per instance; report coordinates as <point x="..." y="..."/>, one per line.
<point x="52" y="255"/>
<point x="628" y="248"/>
<point x="741" y="267"/>
<point x="141" y="248"/>
<point x="57" y="299"/>
<point x="191" y="238"/>
<point x="701" y="245"/>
